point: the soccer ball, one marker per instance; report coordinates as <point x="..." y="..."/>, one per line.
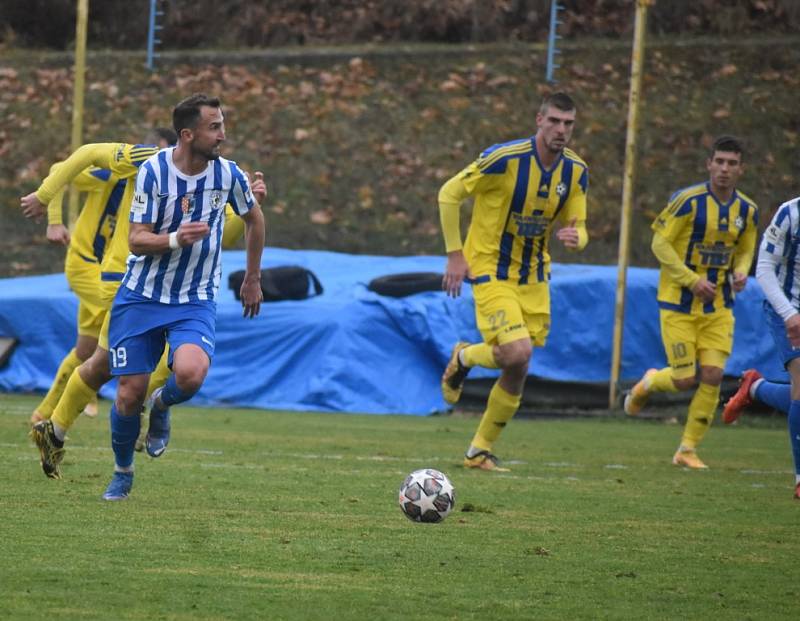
<point x="427" y="496"/>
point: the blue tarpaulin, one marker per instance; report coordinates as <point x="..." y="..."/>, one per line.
<point x="353" y="350"/>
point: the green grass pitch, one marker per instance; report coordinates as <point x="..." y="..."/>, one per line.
<point x="271" y="515"/>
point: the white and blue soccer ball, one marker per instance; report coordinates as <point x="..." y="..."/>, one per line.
<point x="427" y="496"/>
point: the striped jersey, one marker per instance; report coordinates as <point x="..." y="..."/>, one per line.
<point x="165" y="197"/>
<point x="516" y="202"/>
<point x="782" y="240"/>
<point x="98" y="217"/>
<point x="710" y="236"/>
<point x="123" y="161"/>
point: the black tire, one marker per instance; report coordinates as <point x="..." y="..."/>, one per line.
<point x="401" y="285"/>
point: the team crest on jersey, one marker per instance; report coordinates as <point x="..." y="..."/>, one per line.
<point x="216" y="199"/>
<point x="187" y="203"/>
<point x="120" y="153"/>
<point x="739" y="222"/>
<point x="561" y="189"/>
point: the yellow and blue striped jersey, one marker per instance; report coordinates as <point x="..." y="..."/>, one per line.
<point x="712" y="238"/>
<point x="516" y="202"/>
<point x="97" y="219"/>
<point x="122" y="160"/>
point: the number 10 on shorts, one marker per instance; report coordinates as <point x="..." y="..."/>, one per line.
<point x="119" y="357"/>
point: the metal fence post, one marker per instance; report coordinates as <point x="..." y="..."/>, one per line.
<point x="154" y="27"/>
<point x="555" y="7"/>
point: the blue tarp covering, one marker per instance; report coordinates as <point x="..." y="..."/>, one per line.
<point x="355" y="351"/>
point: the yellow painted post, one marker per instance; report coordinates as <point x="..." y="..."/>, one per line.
<point x="637" y="61"/>
<point x="77" y="95"/>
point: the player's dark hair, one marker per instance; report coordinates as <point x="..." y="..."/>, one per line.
<point x="167" y="134"/>
<point x="559" y="100"/>
<point x="187" y="113"/>
<point x="730" y="144"/>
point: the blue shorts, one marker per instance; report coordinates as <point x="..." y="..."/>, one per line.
<point x="778" y="329"/>
<point x="140" y="327"/>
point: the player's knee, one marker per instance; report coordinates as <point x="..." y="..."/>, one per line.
<point x="711" y="375"/>
<point x="130" y="399"/>
<point x="95" y="370"/>
<point x="189" y="378"/>
<point x="515" y="355"/>
<point x="684" y="383"/>
<point x="85" y="347"/>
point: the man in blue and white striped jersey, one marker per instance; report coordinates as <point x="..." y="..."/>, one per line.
<point x="172" y="278"/>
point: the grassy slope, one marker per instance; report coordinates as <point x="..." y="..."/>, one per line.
<point x="355" y="150"/>
<point x="256" y="515"/>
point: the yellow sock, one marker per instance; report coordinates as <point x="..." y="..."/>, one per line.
<point x="661" y="381"/>
<point x="159" y="377"/>
<point x="500" y="407"/>
<point x="76" y="395"/>
<point x="65" y="369"/>
<point x="479" y="355"/>
<point x="701" y="413"/>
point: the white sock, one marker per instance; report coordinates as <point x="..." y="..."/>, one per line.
<point x="472" y="451"/>
<point x="59" y="432"/>
<point x="461" y="356"/>
<point x="753" y="387"/>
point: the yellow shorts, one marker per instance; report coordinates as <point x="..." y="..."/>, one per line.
<point x="507" y="312"/>
<point x="692" y="338"/>
<point x="84" y="280"/>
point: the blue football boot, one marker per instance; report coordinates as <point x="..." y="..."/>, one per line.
<point x="120" y="486"/>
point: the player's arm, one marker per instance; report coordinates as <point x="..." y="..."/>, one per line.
<point x="142" y="240"/>
<point x="234" y="225"/>
<point x="254" y="245"/>
<point x="57" y="233"/>
<point x="770" y="256"/>
<point x="744" y="252"/>
<point x="677" y="270"/>
<point x="573" y="234"/>
<point x="244" y="203"/>
<point x="98" y="154"/>
<point x="451" y="195"/>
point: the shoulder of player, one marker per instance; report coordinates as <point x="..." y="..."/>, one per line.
<point x="746" y="199"/>
<point x="786" y="210"/>
<point x="500" y="153"/>
<point x="688" y="193"/>
<point x="575" y="158"/>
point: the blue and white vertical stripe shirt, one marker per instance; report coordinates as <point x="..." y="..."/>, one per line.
<point x="778" y="270"/>
<point x="165" y="197"/>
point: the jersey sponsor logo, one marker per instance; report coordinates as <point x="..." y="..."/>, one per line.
<point x="712" y="255"/>
<point x="139" y="204"/>
<point x="530" y="226"/>
<point x="772" y="234"/>
<point x="561" y="189"/>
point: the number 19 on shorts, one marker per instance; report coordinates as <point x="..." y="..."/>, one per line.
<point x="119" y="357"/>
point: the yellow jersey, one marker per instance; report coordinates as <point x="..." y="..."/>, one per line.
<point x="712" y="238"/>
<point x="98" y="217"/>
<point x="122" y="160"/>
<point x="517" y="201"/>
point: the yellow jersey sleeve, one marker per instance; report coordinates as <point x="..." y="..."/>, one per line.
<point x="234" y="228"/>
<point x="84" y="182"/>
<point x="746" y="246"/>
<point x="575" y="208"/>
<point x="674" y="218"/>
<point x="120" y="158"/>
<point x="451" y="195"/>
